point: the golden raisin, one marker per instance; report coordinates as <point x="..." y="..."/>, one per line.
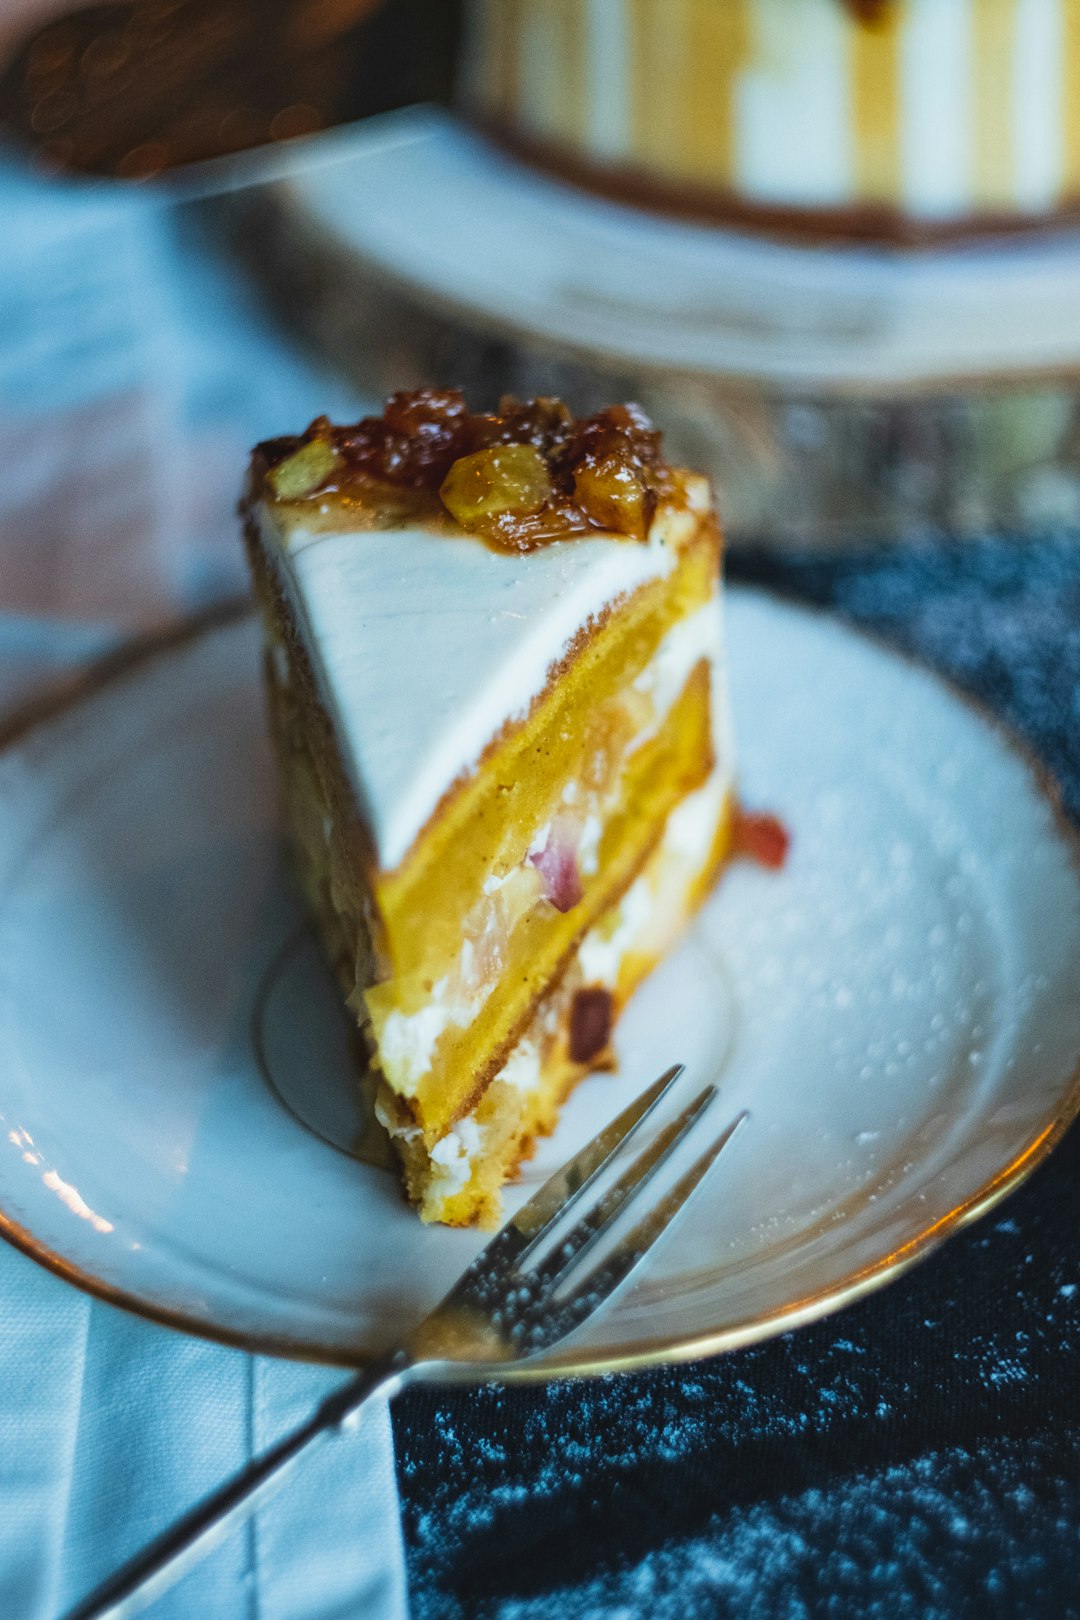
<point x="614" y="494"/>
<point x="507" y="478"/>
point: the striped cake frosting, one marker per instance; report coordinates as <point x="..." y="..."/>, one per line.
<point x="867" y="116"/>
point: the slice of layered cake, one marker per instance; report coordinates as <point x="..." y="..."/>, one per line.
<point x="497" y="693"/>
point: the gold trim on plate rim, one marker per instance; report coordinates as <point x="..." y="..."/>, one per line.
<point x="117" y="665"/>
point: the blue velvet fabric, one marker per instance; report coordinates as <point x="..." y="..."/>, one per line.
<point x="919" y="1454"/>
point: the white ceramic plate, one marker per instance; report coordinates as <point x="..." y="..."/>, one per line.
<point x="898" y="1009"/>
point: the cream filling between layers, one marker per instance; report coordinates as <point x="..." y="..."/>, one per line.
<point x="688" y="840"/>
<point x="654" y="906"/>
<point x="407" y="1041"/>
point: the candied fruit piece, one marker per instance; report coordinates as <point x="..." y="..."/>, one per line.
<point x="522" y="532"/>
<point x="415" y="441"/>
<point x="487" y="485"/>
<point x="760" y="837"/>
<point x="304" y="471"/>
<point x="592" y="1015"/>
<point x="623" y="431"/>
<point x="545" y="423"/>
<point x="614" y="494"/>
<point x="524" y="476"/>
<point x="424" y="409"/>
<point x="558" y="865"/>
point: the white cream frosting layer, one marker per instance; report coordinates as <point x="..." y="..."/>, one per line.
<point x="425" y="644"/>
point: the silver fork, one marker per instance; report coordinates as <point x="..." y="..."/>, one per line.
<point x="501" y="1310"/>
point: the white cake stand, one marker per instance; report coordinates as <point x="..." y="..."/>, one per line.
<point x="834" y="392"/>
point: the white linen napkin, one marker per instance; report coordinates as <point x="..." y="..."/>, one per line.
<point x="110" y="1427"/>
<point x="134" y="375"/>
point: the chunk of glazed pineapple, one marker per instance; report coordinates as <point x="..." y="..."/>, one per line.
<point x="506" y="479"/>
<point x="305" y="471"/>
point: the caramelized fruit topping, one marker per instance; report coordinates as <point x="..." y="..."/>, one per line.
<point x="522" y="477"/>
<point x="490" y="484"/>
<point x="305" y="471"/>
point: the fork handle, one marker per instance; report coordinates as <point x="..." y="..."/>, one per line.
<point x="178" y="1549"/>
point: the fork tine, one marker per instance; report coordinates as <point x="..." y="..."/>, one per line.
<point x="562" y="1190"/>
<point x="601" y="1283"/>
<point x="592" y="1226"/>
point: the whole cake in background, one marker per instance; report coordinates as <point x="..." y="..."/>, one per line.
<point x="498" y="698"/>
<point x="867" y="118"/>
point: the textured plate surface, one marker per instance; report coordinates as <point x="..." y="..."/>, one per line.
<point x="897" y="1008"/>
